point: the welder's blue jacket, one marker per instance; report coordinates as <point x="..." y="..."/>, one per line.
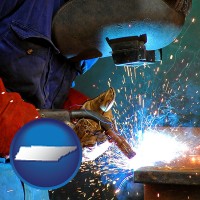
<point x="30" y="64"/>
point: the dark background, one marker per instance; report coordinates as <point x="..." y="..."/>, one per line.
<point x="165" y="94"/>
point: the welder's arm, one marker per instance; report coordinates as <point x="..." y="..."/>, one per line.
<point x="14" y="113"/>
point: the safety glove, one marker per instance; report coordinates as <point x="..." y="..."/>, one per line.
<point x="14" y="113"/>
<point x="92" y="136"/>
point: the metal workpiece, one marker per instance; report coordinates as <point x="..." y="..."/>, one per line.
<point x="178" y="179"/>
<point x="166" y="175"/>
<point x="182" y="170"/>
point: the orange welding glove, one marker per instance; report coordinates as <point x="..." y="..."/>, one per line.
<point x="14" y="113"/>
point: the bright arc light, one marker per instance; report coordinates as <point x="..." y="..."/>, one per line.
<point x="155" y="147"/>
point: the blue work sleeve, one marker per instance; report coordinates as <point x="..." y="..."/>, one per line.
<point x="84" y="65"/>
<point x="8" y="6"/>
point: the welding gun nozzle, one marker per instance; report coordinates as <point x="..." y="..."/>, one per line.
<point x="121" y="143"/>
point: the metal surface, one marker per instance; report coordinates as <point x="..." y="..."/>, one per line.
<point x="171" y="192"/>
<point x="165" y="175"/>
<point x="183" y="170"/>
<point x="80" y="27"/>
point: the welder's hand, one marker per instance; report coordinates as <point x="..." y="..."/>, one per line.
<point x="93" y="141"/>
<point x="14" y="113"/>
<point x="88" y="134"/>
<point x="92" y="136"/>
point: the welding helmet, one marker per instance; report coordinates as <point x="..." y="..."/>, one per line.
<point x="131" y="31"/>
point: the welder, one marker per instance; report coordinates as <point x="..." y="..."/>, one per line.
<point x="31" y="65"/>
<point x="33" y="74"/>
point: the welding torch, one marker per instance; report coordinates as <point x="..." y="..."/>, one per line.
<point x="110" y="131"/>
